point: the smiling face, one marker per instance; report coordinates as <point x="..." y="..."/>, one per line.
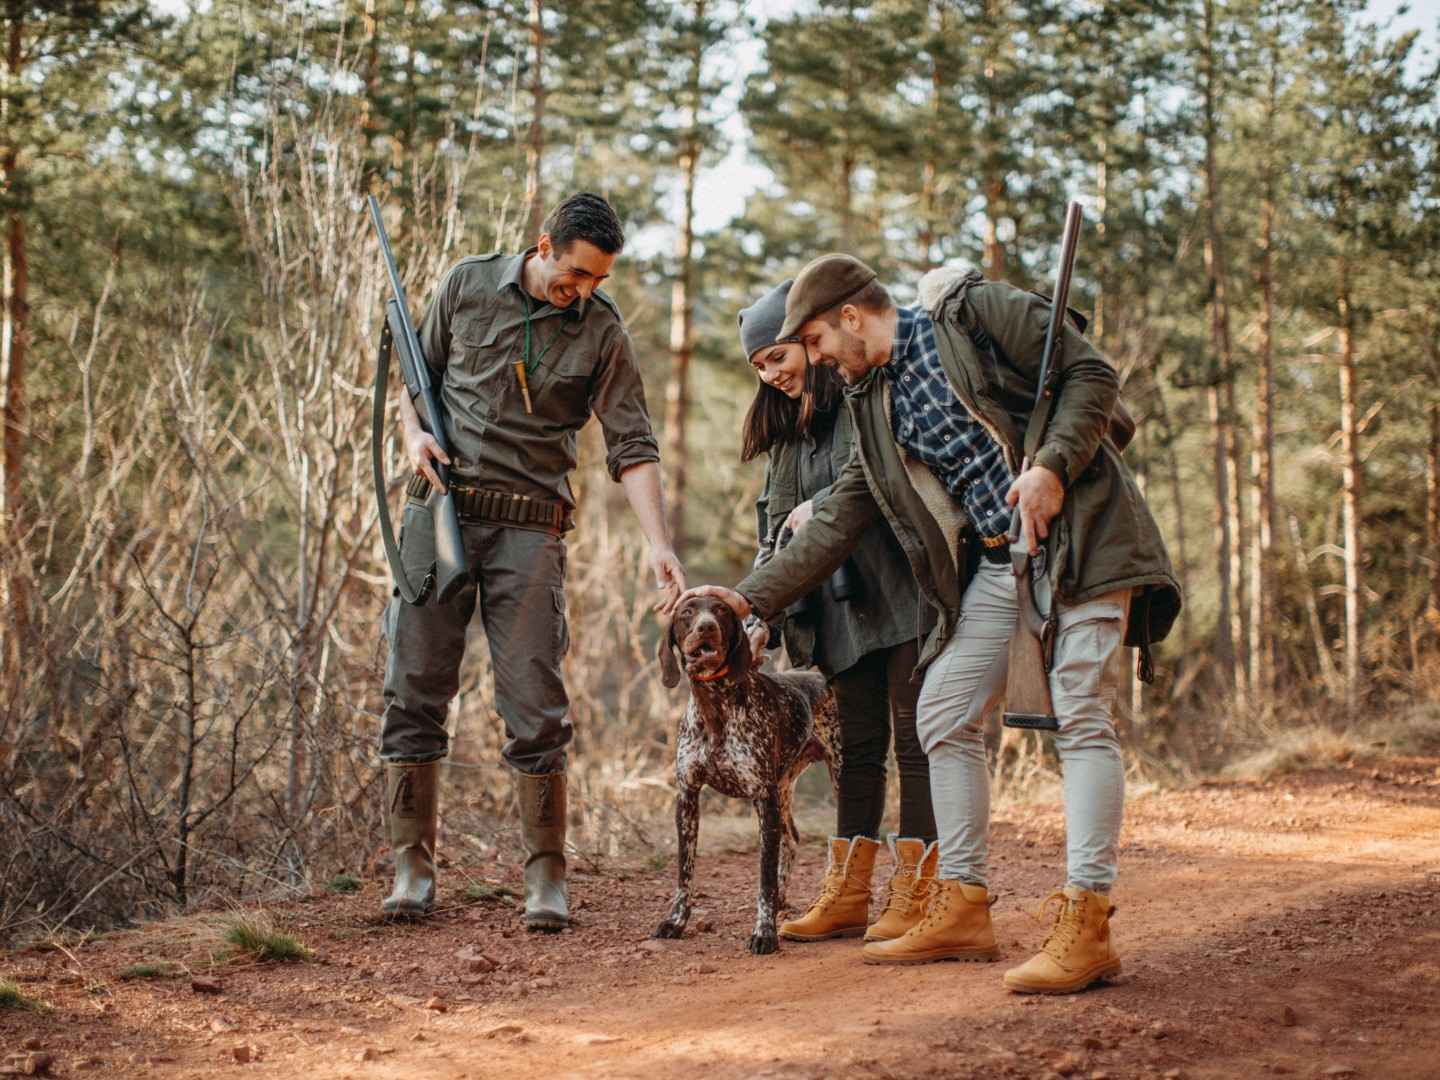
<point x="562" y="277"/>
<point x="841" y="346"/>
<point x="782" y="366"/>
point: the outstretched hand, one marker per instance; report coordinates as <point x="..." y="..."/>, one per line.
<point x="669" y="578"/>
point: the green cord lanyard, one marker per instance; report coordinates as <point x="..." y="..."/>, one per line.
<point x="531" y="365"/>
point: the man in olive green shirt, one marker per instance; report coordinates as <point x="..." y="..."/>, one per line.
<point x="523" y="349"/>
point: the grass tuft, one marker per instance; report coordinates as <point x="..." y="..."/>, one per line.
<point x="164" y="969"/>
<point x="12" y="998"/>
<point x="343" y="883"/>
<point x="489" y="892"/>
<point x="253" y="934"/>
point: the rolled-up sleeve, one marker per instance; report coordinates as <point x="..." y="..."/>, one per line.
<point x="618" y="400"/>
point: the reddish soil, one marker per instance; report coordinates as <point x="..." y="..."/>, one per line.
<point x="1287" y="928"/>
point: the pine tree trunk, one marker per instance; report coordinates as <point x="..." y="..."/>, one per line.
<point x="1177" y="495"/>
<point x="1262" y="550"/>
<point x="994" y="178"/>
<point x="935" y="22"/>
<point x="14" y="345"/>
<point x="1328" y="675"/>
<point x="1351" y="487"/>
<point x="1222" y="392"/>
<point x="535" y="143"/>
<point x="682" y="301"/>
<point x="1432" y="515"/>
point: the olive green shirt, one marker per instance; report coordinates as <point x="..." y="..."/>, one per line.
<point x="581" y="361"/>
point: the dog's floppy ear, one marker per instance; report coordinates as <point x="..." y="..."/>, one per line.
<point x="740" y="658"/>
<point x="669" y="665"/>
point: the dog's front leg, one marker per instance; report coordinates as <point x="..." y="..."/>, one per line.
<point x="687" y="830"/>
<point x="764" y="939"/>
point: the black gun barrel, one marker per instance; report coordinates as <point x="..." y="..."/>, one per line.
<point x="451" y="571"/>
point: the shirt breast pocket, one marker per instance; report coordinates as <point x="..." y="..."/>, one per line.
<point x="484" y="360"/>
<point x="564" y="376"/>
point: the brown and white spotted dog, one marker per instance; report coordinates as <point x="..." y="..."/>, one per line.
<point x="748" y="735"/>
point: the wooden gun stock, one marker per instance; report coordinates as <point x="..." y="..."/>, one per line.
<point x="1027" y="684"/>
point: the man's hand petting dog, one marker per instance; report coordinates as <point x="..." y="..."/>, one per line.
<point x="729" y="597"/>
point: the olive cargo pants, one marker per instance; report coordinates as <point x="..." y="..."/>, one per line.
<point x="519" y="583"/>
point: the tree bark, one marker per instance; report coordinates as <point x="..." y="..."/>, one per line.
<point x="1351" y="486"/>
<point x="994" y="178"/>
<point x="1262" y="577"/>
<point x="14" y="349"/>
<point x="1222" y="393"/>
<point x="682" y="299"/>
<point x="535" y="143"/>
<point x="1432" y="514"/>
<point x="929" y="231"/>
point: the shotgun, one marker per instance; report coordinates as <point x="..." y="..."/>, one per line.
<point x="449" y="573"/>
<point x="1032" y="645"/>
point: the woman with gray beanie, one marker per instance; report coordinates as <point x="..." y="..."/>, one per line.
<point x="860" y="628"/>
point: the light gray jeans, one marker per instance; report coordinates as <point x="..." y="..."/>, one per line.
<point x="967" y="680"/>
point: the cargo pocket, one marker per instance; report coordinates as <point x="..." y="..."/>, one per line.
<point x="1086" y="640"/>
<point x="562" y="626"/>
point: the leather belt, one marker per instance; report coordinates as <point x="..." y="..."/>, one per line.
<point x="500" y="507"/>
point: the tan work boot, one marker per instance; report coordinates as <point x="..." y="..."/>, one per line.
<point x="1079" y="950"/>
<point x="910" y="886"/>
<point x="412" y="803"/>
<point x="955" y="926"/>
<point x="542" y="827"/>
<point x="843" y="907"/>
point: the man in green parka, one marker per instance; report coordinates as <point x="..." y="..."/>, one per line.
<point x="942" y="396"/>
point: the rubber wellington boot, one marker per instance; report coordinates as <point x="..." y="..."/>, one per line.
<point x="1079" y="950"/>
<point x="843" y="907"/>
<point x="413" y="803"/>
<point x="910" y="887"/>
<point x="955" y="926"/>
<point x="542" y="827"/>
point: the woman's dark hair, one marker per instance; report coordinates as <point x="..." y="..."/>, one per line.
<point x="584" y="216"/>
<point x="774" y="419"/>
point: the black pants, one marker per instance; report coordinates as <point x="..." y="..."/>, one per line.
<point x="877" y="697"/>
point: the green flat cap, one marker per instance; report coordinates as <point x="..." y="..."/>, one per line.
<point x="825" y="283"/>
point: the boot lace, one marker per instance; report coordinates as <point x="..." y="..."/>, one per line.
<point x="830" y="889"/>
<point x="1069" y="921"/>
<point x="903" y="889"/>
<point x="936" y="900"/>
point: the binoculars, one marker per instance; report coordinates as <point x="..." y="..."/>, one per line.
<point x="843" y="584"/>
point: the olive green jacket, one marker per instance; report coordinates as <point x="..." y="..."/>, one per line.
<point x="885" y="609"/>
<point x="1104" y="537"/>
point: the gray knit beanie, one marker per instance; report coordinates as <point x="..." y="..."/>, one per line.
<point x="760" y="322"/>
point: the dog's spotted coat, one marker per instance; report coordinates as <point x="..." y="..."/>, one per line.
<point x="748" y="735"/>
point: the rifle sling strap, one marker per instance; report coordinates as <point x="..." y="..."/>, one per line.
<point x="408" y="592"/>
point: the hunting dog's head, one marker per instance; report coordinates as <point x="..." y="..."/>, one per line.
<point x="710" y="642"/>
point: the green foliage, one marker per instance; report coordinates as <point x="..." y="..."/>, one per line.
<point x="343" y="883"/>
<point x="488" y="893"/>
<point x="252" y="935"/>
<point x="163" y="969"/>
<point x="12" y="998"/>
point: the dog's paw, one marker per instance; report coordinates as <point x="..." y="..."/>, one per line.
<point x="764" y="942"/>
<point x="668" y="929"/>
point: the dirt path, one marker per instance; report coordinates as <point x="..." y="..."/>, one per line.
<point x="1283" y="929"/>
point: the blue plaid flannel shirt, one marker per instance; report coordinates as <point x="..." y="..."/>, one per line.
<point x="931" y="424"/>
